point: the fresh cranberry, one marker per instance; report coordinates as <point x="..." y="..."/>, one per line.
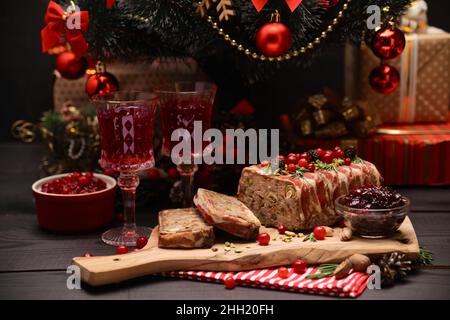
<point x="311" y="167"/>
<point x="305" y="156"/>
<point x="339" y="154"/>
<point x="292" y="168"/>
<point x="347" y="161"/>
<point x="281" y="229"/>
<point x="141" y="242"/>
<point x="281" y="157"/>
<point x="291" y="159"/>
<point x="320" y="233"/>
<point x="121" y="249"/>
<point x="229" y="282"/>
<point x="264" y="164"/>
<point x="88" y="254"/>
<point x="320" y="152"/>
<point x="135" y="250"/>
<point x="153" y="174"/>
<point x="299" y="266"/>
<point x="89" y="175"/>
<point x="263" y="239"/>
<point x="283" y="272"/>
<point x="327" y="157"/>
<point x="303" y="163"/>
<point x="83" y="180"/>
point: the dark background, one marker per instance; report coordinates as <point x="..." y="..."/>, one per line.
<point x="26" y="73"/>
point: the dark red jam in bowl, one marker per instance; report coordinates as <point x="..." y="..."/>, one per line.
<point x="74" y="183"/>
<point x="373" y="197"/>
<point x="373" y="212"/>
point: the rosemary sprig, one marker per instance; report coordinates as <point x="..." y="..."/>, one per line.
<point x="310" y="237"/>
<point x="324" y="270"/>
<point x="357" y="160"/>
<point x="425" y="257"/>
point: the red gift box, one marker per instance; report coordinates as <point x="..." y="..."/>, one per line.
<point x="417" y="154"/>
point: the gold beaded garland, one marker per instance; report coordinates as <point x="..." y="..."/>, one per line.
<point x="287" y="56"/>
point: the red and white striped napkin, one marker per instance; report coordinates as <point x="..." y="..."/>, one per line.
<point x="351" y="286"/>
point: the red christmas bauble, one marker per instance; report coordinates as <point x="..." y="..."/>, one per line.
<point x="273" y="39"/>
<point x="384" y="79"/>
<point x="70" y="66"/>
<point x="102" y="84"/>
<point x="388" y="43"/>
<point x="328" y="4"/>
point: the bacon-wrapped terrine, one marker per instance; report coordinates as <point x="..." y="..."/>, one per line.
<point x="227" y="213"/>
<point x="184" y="228"/>
<point x="304" y="202"/>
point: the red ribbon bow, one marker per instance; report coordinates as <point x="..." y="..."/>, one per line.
<point x="292" y="4"/>
<point x="57" y="21"/>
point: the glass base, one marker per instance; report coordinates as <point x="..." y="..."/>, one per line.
<point x="125" y="237"/>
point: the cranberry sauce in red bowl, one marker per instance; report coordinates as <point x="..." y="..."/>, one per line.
<point x="75" y="202"/>
<point x="373" y="211"/>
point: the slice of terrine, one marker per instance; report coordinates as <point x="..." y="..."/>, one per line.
<point x="184" y="228"/>
<point x="301" y="203"/>
<point x="227" y="213"/>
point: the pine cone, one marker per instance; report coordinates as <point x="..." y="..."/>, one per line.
<point x="393" y="267"/>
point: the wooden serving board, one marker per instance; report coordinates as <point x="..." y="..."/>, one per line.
<point x="104" y="270"/>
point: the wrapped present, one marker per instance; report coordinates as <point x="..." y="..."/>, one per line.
<point x="137" y="76"/>
<point x="417" y="154"/>
<point x="424" y="67"/>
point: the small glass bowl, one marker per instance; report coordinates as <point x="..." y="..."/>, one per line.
<point x="372" y="223"/>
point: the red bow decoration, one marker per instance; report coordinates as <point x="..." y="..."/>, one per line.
<point x="292" y="4"/>
<point x="57" y="21"/>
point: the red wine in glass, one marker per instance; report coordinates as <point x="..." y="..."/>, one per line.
<point x="183" y="104"/>
<point x="126" y="141"/>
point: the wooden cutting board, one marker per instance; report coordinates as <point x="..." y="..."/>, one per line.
<point x="104" y="270"/>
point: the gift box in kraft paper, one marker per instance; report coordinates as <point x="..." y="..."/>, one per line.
<point x="424" y="91"/>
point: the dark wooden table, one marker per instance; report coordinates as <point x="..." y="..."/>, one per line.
<point x="33" y="262"/>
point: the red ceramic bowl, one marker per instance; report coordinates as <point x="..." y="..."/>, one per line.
<point x="74" y="213"/>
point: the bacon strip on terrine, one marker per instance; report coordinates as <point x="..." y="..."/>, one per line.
<point x="301" y="203"/>
<point x="184" y="228"/>
<point x="227" y="213"/>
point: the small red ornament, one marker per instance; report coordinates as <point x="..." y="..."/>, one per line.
<point x="299" y="266"/>
<point x="388" y="43"/>
<point x="153" y="174"/>
<point x="274" y="39"/>
<point x="283" y="272"/>
<point x="70" y="66"/>
<point x="229" y="282"/>
<point x="121" y="249"/>
<point x="320" y="233"/>
<point x="328" y="4"/>
<point x="384" y="79"/>
<point x="141" y="242"/>
<point x="263" y="239"/>
<point x="101" y="83"/>
<point x="282" y="229"/>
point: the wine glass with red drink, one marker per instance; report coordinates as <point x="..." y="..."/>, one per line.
<point x="126" y="139"/>
<point x="183" y="104"/>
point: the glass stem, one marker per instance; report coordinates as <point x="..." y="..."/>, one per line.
<point x="128" y="182"/>
<point x="187" y="172"/>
